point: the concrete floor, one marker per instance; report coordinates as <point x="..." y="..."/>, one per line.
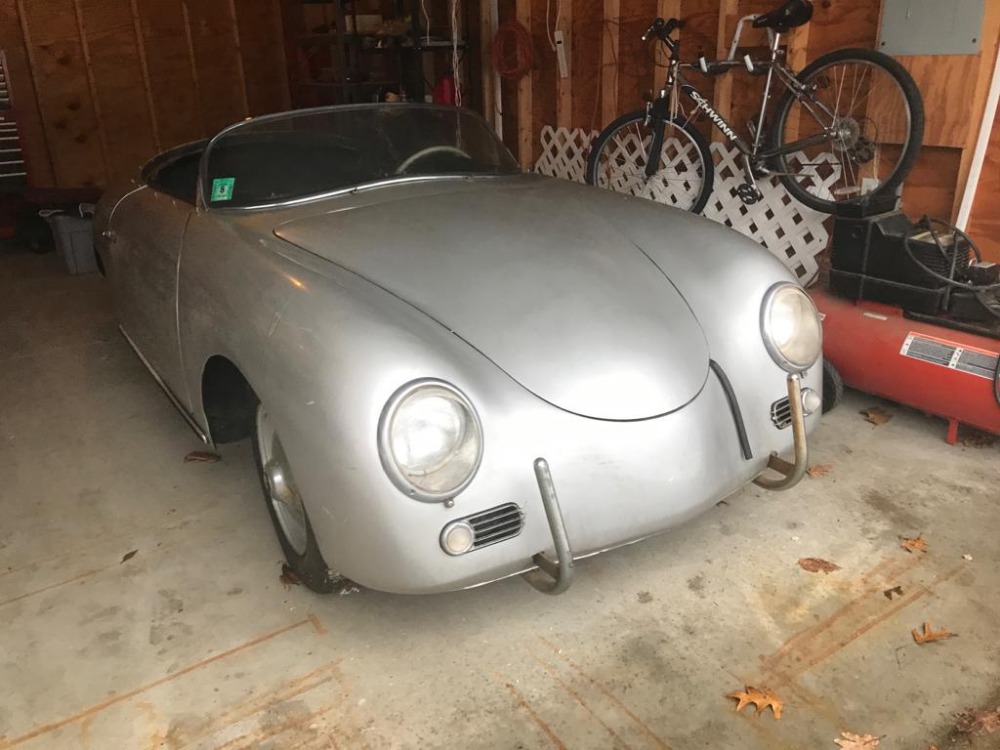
<point x="194" y="642"/>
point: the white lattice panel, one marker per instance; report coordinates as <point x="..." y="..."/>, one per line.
<point x="564" y="152"/>
<point x="791" y="231"/>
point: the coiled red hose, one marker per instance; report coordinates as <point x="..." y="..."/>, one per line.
<point x="512" y="53"/>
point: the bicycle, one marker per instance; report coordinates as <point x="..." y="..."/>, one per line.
<point x="838" y="125"/>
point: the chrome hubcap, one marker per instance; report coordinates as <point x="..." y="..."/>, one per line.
<point x="281" y="489"/>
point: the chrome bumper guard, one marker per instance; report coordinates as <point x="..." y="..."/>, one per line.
<point x="551" y="576"/>
<point x="791" y="472"/>
<point x="555" y="576"/>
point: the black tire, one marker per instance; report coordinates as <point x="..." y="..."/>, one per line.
<point x="309" y="565"/>
<point x="833" y="386"/>
<point x="908" y="156"/>
<point x="637" y="120"/>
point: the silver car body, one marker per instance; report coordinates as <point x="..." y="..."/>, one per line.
<point x="579" y="322"/>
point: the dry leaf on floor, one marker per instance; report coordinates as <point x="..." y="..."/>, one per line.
<point x="916" y="544"/>
<point x="930" y="635"/>
<point x="817" y="565"/>
<point x="819" y="470"/>
<point x="978" y="440"/>
<point x="288" y="577"/>
<point x="129" y="555"/>
<point x="876" y="415"/>
<point x="970" y="721"/>
<point x="897" y="590"/>
<point x="202" y="457"/>
<point x="851" y="741"/>
<point x="760" y="697"/>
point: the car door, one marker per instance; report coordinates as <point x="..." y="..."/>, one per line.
<point x="145" y="242"/>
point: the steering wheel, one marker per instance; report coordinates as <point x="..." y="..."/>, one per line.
<point x="423" y="153"/>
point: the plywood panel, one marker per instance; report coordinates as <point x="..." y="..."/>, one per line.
<point x="977" y="103"/>
<point x="984" y="222"/>
<point x="947" y="84"/>
<point x="176" y="105"/>
<point x="217" y="62"/>
<point x="837" y="24"/>
<point x="22" y="88"/>
<point x="116" y="68"/>
<point x="930" y="187"/>
<point x="64" y="99"/>
<point x="263" y="55"/>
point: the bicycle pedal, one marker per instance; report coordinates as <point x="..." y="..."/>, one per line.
<point x="748" y="193"/>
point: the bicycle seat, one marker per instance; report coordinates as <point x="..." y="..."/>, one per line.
<point x="793" y="13"/>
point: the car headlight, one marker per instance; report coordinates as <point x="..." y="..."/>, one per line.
<point x="430" y="440"/>
<point x="791" y="327"/>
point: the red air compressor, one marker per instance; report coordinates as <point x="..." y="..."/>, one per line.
<point x="912" y="314"/>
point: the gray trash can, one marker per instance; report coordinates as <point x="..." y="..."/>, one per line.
<point x="74" y="238"/>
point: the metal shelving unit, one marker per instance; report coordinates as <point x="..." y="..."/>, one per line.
<point x="403" y="55"/>
<point x="13" y="172"/>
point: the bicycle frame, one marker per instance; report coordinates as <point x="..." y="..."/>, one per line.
<point x="753" y="155"/>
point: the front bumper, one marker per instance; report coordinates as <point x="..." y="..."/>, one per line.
<point x="555" y="576"/>
<point x="617" y="482"/>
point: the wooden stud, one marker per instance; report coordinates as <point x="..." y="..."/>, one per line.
<point x="279" y="35"/>
<point x="239" y="58"/>
<point x="609" y="61"/>
<point x="798" y="52"/>
<point x="101" y="129"/>
<point x="486" y="61"/>
<point x="49" y="167"/>
<point x="664" y="9"/>
<point x="144" y="66"/>
<point x="564" y="86"/>
<point x="524" y="105"/>
<point x="194" y="66"/>
<point x="723" y="99"/>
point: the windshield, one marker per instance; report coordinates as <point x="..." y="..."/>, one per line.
<point x="300" y="154"/>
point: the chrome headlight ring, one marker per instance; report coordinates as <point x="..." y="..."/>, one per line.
<point x="430" y="440"/>
<point x="791" y="328"/>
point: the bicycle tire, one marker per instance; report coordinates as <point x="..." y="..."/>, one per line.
<point x="908" y="157"/>
<point x="638" y="118"/>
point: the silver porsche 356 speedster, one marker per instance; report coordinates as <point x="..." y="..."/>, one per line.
<point x="451" y="371"/>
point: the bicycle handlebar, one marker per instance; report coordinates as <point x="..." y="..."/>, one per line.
<point x="662" y="29"/>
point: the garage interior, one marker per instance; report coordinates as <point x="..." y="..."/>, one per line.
<point x="142" y="597"/>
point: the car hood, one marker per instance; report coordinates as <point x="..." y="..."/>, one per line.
<point x="532" y="276"/>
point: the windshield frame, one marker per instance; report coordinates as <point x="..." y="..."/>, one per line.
<point x="202" y="187"/>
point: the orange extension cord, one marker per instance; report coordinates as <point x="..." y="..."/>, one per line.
<point x="513" y="53"/>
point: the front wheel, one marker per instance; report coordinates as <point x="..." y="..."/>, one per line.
<point x="285" y="506"/>
<point x="872" y="112"/>
<point x="684" y="169"/>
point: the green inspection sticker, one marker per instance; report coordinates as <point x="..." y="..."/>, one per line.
<point x="222" y="189"/>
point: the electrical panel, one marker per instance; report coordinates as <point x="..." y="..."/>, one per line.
<point x="931" y="27"/>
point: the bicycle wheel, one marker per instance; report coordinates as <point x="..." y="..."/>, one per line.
<point x="685" y="172"/>
<point x="873" y="108"/>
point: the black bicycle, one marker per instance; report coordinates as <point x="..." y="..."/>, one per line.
<point x="847" y="127"/>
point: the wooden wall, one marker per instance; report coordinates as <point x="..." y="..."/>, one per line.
<point x="984" y="222"/>
<point x="611" y="70"/>
<point x="102" y="85"/>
